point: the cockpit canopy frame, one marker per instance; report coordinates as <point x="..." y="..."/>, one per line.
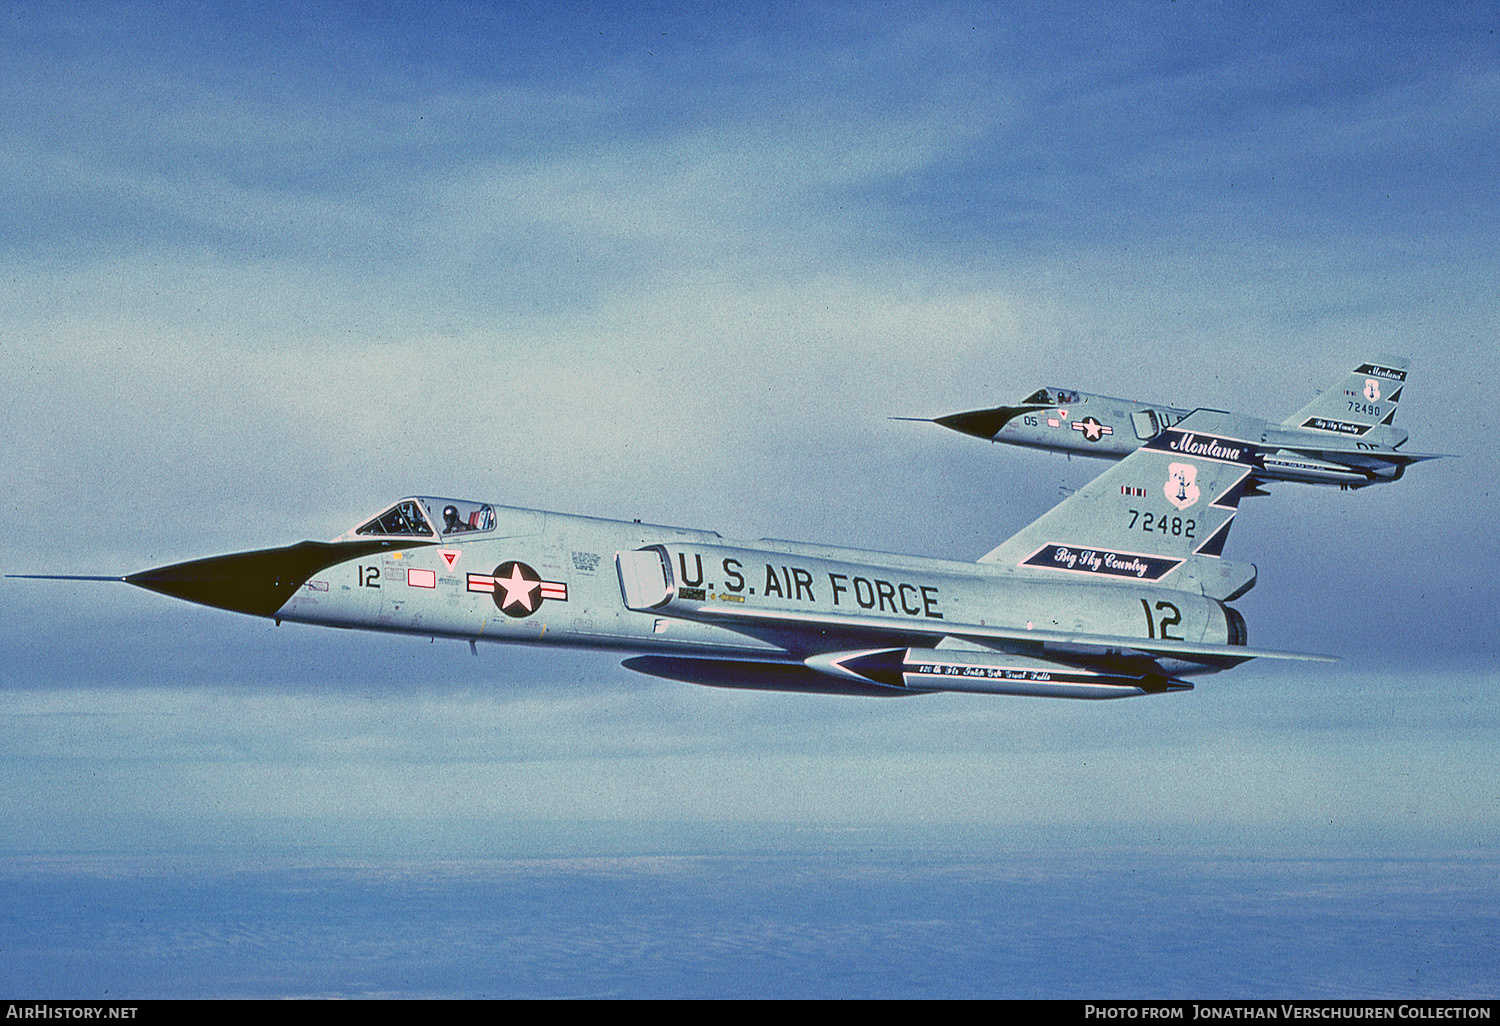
<point x="1052" y="397"/>
<point x="426" y="518"/>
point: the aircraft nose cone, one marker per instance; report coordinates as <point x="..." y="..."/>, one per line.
<point x="258" y="583"/>
<point x="984" y="423"/>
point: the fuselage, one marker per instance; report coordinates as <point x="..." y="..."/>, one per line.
<point x="538" y="578"/>
<point x="1106" y="427"/>
<point x="1084" y="424"/>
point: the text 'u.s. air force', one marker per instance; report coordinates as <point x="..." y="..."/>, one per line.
<point x="797" y="584"/>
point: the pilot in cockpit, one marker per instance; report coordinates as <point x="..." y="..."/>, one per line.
<point x="451" y="522"/>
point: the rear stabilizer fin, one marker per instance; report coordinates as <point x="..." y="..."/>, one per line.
<point x="1365" y="401"/>
<point x="1161" y="515"/>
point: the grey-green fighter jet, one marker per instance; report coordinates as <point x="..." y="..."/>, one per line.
<point x="1120" y="590"/>
<point x="1344" y="437"/>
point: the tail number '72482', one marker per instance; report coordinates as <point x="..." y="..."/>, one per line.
<point x="1161" y="523"/>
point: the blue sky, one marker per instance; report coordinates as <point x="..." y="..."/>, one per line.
<point x="263" y="271"/>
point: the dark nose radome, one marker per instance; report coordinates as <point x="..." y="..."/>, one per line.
<point x="984" y="423"/>
<point x="258" y="583"/>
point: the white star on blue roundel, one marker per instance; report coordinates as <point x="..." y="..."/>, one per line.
<point x="517" y="589"/>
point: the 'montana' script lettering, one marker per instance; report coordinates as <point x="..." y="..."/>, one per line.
<point x="1210" y="448"/>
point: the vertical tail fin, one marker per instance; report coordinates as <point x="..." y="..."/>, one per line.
<point x="1367" y="397"/>
<point x="1161" y="515"/>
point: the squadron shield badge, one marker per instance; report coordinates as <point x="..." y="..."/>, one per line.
<point x="1181" y="488"/>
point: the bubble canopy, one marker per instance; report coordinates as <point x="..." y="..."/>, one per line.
<point x="427" y="517"/>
